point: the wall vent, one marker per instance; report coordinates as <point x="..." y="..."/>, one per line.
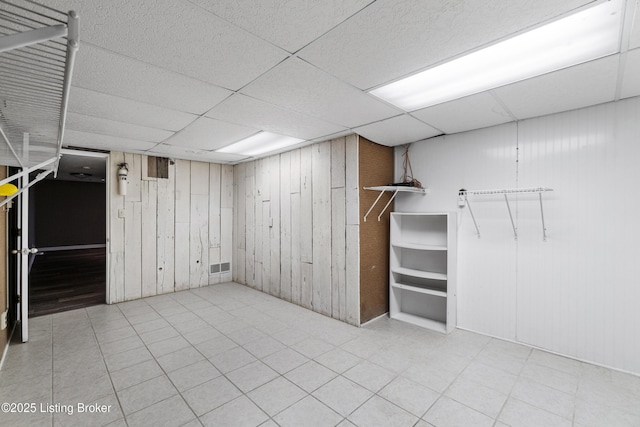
<point x="219" y="268"/>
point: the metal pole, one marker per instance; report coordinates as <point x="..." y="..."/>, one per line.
<point x="513" y="224"/>
<point x="72" y="49"/>
<point x="472" y="216"/>
<point x="544" y="228"/>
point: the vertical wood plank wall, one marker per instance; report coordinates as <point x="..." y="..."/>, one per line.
<point x="576" y="293"/>
<point x="376" y="168"/>
<point x="165" y="233"/>
<point x="299" y="225"/>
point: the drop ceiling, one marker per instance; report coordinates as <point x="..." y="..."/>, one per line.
<point x="182" y="78"/>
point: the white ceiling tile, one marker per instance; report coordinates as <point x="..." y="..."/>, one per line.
<point x="290" y="24"/>
<point x="298" y="86"/>
<point x="576" y="87"/>
<point x="73" y="138"/>
<point x="165" y="150"/>
<point x="471" y="112"/>
<point x="333" y="136"/>
<point x="210" y="134"/>
<point x="397" y="130"/>
<point x="248" y="111"/>
<point x="630" y="77"/>
<point x="96" y="104"/>
<point x="90" y="124"/>
<point x="393" y="38"/>
<point x="176" y="35"/>
<point x="107" y="72"/>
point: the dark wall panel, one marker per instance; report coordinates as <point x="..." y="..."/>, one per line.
<point x="68" y="213"/>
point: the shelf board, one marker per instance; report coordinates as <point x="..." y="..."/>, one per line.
<point x="419" y="289"/>
<point x="421" y="321"/>
<point x="419" y="273"/>
<point x="398" y="188"/>
<point x="419" y="246"/>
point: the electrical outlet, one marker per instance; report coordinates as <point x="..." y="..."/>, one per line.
<point x="3" y="320"/>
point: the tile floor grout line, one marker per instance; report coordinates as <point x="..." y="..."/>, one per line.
<point x="536" y="372"/>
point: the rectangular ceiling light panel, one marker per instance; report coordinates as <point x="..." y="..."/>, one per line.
<point x="260" y="143"/>
<point x="575" y="39"/>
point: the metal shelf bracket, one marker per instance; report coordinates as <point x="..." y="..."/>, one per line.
<point x="395" y="189"/>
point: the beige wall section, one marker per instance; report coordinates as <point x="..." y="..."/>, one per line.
<point x="297" y="224"/>
<point x="4" y="333"/>
<point x="166" y="233"/>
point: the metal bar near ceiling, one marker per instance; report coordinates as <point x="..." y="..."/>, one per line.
<point x="35" y="42"/>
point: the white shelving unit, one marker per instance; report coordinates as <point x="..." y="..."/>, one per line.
<point x="422" y="268"/>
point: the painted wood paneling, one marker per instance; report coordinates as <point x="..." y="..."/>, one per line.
<point x="306" y="206"/>
<point x="133" y="251"/>
<point x="266" y="245"/>
<point x="199" y="241"/>
<point x="116" y="235"/>
<point x="575" y="293"/>
<point x="258" y="226"/>
<point x="296" y="278"/>
<point x="285" y="226"/>
<point x="215" y="195"/>
<point x="274" y="225"/>
<point x="149" y="222"/>
<point x="134" y="178"/>
<point x="338" y="254"/>
<point x="250" y="223"/>
<point x="166" y="233"/>
<point x="239" y="227"/>
<point x="321" y="176"/>
<point x="351" y="180"/>
<point x="215" y="198"/>
<point x="182" y="216"/>
<point x="299" y="241"/>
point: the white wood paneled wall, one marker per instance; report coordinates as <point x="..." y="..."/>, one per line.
<point x="296" y="228"/>
<point x="576" y="294"/>
<point x="165" y="233"/>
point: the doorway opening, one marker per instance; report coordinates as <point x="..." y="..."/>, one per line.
<point x="67" y="225"/>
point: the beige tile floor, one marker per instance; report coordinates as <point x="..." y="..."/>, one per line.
<point x="227" y="355"/>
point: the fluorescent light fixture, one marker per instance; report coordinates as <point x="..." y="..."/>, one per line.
<point x="260" y="143"/>
<point x="586" y="35"/>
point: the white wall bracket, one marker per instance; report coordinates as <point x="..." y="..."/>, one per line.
<point x="395" y="189"/>
<point x="25" y="172"/>
<point x="464" y="200"/>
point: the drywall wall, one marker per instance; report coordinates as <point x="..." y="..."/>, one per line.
<point x="577" y="292"/>
<point x="296" y="227"/>
<point x="165" y="234"/>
